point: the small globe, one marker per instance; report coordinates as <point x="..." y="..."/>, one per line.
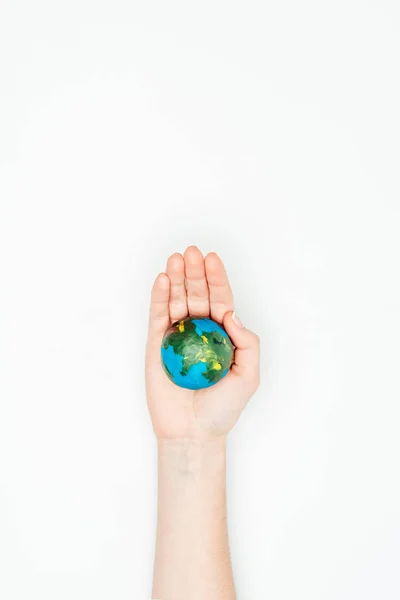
<point x="196" y="353"/>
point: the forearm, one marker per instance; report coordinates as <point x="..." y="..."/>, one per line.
<point x="192" y="554"/>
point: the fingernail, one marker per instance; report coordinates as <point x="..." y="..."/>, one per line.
<point x="236" y="319"/>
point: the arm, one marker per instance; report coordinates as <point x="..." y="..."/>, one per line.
<point x="192" y="559"/>
<point x="192" y="554"/>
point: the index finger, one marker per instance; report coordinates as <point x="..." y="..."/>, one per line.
<point x="221" y="297"/>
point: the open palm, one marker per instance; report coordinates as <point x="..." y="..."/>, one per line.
<point x="197" y="287"/>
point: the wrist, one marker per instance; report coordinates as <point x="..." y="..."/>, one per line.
<point x="192" y="457"/>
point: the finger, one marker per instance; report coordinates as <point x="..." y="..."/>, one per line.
<point x="247" y="352"/>
<point x="196" y="283"/>
<point x="221" y="297"/>
<point x="177" y="300"/>
<point x="159" y="311"/>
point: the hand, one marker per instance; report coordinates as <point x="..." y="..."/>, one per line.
<point x="198" y="287"/>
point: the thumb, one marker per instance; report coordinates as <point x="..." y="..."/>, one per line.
<point x="247" y="343"/>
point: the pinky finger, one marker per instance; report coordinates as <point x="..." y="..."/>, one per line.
<point x="159" y="311"/>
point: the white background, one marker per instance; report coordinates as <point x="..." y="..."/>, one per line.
<point x="268" y="132"/>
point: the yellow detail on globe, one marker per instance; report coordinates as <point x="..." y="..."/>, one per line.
<point x="196" y="353"/>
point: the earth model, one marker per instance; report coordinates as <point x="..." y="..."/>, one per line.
<point x="196" y="353"/>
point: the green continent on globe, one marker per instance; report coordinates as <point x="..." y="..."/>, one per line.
<point x="204" y="350"/>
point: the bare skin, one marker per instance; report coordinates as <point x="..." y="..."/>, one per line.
<point x="192" y="559"/>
